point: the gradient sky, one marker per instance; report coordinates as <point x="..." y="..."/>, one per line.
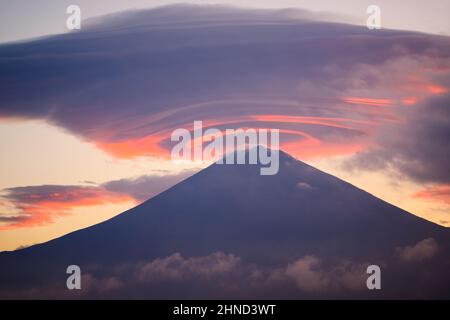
<point x="86" y="117"/>
<point x="22" y="19"/>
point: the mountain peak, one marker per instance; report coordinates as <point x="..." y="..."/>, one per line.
<point x="269" y="221"/>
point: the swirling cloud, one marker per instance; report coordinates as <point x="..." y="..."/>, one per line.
<point x="125" y="81"/>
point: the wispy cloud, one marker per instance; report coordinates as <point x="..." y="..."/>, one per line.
<point x="436" y="193"/>
<point x="126" y="89"/>
<point x="41" y="205"/>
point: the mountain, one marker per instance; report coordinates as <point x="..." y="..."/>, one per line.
<point x="229" y="232"/>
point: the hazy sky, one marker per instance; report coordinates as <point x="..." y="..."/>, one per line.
<point x="21" y="19"/>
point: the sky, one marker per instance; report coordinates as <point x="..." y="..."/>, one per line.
<point x="86" y="116"/>
<point x="27" y="19"/>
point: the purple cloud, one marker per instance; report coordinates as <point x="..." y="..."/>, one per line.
<point x="126" y="80"/>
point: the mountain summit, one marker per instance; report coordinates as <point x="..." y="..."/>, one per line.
<point x="228" y="231"/>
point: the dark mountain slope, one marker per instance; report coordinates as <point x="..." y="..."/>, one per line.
<point x="269" y="221"/>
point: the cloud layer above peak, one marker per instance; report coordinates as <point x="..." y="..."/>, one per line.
<point x="127" y="80"/>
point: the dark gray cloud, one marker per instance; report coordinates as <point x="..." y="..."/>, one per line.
<point x="9" y="219"/>
<point x="418" y="148"/>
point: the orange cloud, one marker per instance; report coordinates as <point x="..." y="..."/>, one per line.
<point x="146" y="146"/>
<point x="40" y="205"/>
<point x="368" y="101"/>
<point x="341" y="123"/>
<point x="435" y="89"/>
<point x="422" y="85"/>
<point x="409" y="101"/>
<point x="306" y="146"/>
<point x="438" y="193"/>
<point x="311" y="150"/>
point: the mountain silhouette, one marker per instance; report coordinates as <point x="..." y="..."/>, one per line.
<point x="301" y="225"/>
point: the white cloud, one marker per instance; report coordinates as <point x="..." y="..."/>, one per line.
<point x="176" y="267"/>
<point x="422" y="250"/>
<point x="311" y="275"/>
<point x="304" y="272"/>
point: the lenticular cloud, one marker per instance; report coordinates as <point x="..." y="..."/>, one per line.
<point x="126" y="81"/>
